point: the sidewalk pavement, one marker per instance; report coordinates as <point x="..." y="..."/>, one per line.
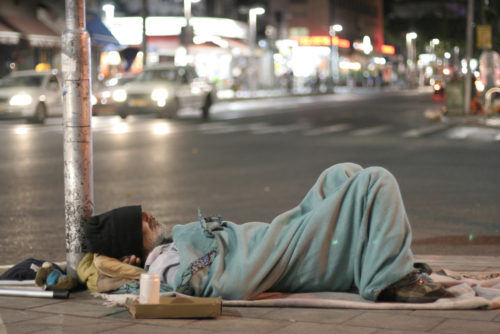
<point x="82" y="313"/>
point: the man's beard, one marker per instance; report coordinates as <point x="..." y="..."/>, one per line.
<point x="162" y="239"/>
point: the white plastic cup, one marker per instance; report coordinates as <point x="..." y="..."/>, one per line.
<point x="149" y="289"/>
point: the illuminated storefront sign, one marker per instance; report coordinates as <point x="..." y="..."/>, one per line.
<point x="128" y="30"/>
<point x="322" y="41"/>
<point x="365" y="46"/>
<point x="388" y="49"/>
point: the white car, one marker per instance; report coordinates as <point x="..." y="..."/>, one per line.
<point x="31" y="95"/>
<point x="102" y="97"/>
<point x="164" y="89"/>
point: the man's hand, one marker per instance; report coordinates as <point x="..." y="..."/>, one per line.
<point x="131" y="259"/>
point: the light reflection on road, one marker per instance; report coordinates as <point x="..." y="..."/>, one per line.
<point x="120" y="128"/>
<point x="161" y="128"/>
<point x="20" y="130"/>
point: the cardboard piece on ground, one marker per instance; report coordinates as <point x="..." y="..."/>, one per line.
<point x="176" y="307"/>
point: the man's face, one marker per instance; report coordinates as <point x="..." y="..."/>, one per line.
<point x="151" y="232"/>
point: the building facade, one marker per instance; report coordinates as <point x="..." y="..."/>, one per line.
<point x="25" y="41"/>
<point x="339" y="40"/>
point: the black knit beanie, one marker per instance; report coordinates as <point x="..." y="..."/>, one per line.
<point x="115" y="233"/>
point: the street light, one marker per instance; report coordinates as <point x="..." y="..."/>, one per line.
<point x="252" y="27"/>
<point x="433" y="44"/>
<point x="411" y="57"/>
<point x="187" y="10"/>
<point x="334" y="55"/>
<point x="411" y="35"/>
<point x="434" y="58"/>
<point x="109" y="11"/>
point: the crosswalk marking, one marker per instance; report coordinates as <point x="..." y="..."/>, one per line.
<point x="327" y="129"/>
<point x="461" y="132"/>
<point x="223" y="127"/>
<point x="281" y="129"/>
<point x="419" y="132"/>
<point x="469" y="132"/>
<point x="371" y="130"/>
<point x="212" y="126"/>
<point x="117" y="126"/>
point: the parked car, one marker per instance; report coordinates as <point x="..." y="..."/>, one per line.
<point x="164" y="89"/>
<point x="32" y="95"/>
<point x="102" y="96"/>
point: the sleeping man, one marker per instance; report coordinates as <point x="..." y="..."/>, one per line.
<point x="349" y="233"/>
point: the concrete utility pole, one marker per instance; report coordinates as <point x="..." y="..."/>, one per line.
<point x="252" y="38"/>
<point x="468" y="55"/>
<point x="78" y="170"/>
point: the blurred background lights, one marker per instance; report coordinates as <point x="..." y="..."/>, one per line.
<point x="367" y="45"/>
<point x="347" y="65"/>
<point x="474" y="64"/>
<point x="112" y="58"/>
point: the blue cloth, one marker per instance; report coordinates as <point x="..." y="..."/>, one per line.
<point x="350" y="231"/>
<point x="53" y="277"/>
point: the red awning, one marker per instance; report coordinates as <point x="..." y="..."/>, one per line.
<point x="168" y="45"/>
<point x="37" y="33"/>
<point x="163" y="43"/>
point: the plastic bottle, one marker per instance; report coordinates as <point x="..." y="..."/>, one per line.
<point x="149" y="289"/>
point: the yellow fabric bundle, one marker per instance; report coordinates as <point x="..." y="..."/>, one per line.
<point x="102" y="273"/>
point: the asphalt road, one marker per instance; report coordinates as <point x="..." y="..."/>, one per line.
<point x="252" y="161"/>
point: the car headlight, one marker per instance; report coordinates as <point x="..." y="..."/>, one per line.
<point x="20" y="100"/>
<point x="159" y="94"/>
<point x="120" y="95"/>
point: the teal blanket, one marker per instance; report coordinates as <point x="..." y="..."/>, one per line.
<point x="350" y="232"/>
